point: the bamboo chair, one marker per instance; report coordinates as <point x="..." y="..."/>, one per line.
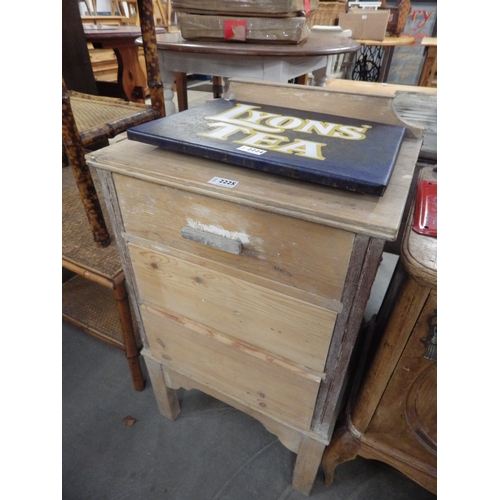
<point x="89" y="250"/>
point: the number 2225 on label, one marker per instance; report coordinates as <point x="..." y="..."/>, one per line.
<point x="219" y="181"/>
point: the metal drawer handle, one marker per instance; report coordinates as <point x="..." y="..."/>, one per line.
<point x="212" y="240"/>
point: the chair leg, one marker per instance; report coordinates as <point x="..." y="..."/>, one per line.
<point x="131" y="351"/>
<point x="217" y="87"/>
<point x="181" y="88"/>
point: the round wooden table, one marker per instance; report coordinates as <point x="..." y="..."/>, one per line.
<point x="272" y="62"/>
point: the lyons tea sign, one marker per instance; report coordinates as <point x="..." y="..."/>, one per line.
<point x="324" y="149"/>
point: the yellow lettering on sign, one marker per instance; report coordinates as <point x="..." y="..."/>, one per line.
<point x="224" y="131"/>
<point x="321" y="128"/>
<point x="285" y="122"/>
<point x="351" y="133"/>
<point x="262" y="140"/>
<point x="234" y="116"/>
<point x="246" y="119"/>
<point x="308" y="149"/>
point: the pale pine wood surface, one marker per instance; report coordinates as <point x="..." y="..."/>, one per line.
<point x="275" y="248"/>
<point x="375" y="216"/>
<point x="376" y="87"/>
<point x="429" y="41"/>
<point x="286" y="363"/>
<point x="289" y="435"/>
<point x="254" y="314"/>
<point x="373" y="107"/>
<point x="371" y="215"/>
<point x="166" y="397"/>
<point x="260" y="385"/>
<point x="308" y="460"/>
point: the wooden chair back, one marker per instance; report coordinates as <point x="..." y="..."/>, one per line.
<point x="79" y="134"/>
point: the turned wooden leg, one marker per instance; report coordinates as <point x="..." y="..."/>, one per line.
<point x="166" y="398"/>
<point x="320" y="77"/>
<point x="342" y="448"/>
<point x="131" y="350"/>
<point x="307" y="464"/>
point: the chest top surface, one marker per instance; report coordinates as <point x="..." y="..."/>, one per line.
<point x="371" y="215"/>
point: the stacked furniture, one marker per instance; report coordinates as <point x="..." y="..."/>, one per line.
<point x="263" y="309"/>
<point x="282" y="21"/>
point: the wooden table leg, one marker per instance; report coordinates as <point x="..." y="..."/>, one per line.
<point x="320" y="77"/>
<point x="430" y="67"/>
<point x="307" y="464"/>
<point x="131" y="78"/>
<point x="181" y="89"/>
<point x="217" y="87"/>
<point x="386" y="64"/>
<point x="166" y="397"/>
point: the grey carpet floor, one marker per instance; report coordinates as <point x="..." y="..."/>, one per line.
<point x="211" y="451"/>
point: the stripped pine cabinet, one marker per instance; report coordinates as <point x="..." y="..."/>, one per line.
<point x="253" y="294"/>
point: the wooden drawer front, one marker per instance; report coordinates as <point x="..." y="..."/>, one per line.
<point x="287" y="327"/>
<point x="300" y="254"/>
<point x="268" y="388"/>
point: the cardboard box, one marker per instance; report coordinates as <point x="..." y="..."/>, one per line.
<point x="243" y="29"/>
<point x="365" y="24"/>
<point x="264" y="8"/>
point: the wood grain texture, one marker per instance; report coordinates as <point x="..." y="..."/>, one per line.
<point x="394" y="418"/>
<point x="263" y="318"/>
<point x="370" y="215"/>
<point x="307" y="464"/>
<point x="363" y="267"/>
<point x="288" y="435"/>
<point x="266" y="282"/>
<point x="404" y="315"/>
<point x="370" y="107"/>
<point x="415" y="376"/>
<point x="260" y="385"/>
<point x="419" y="471"/>
<point x="127" y="325"/>
<point x="166" y="397"/>
<point x="112" y="204"/>
<point x="283" y="250"/>
<point x="343" y="447"/>
<point x="309" y="258"/>
<point x="259" y="353"/>
<point x="376" y="87"/>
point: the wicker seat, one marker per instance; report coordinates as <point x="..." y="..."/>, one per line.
<point x="89" y="250"/>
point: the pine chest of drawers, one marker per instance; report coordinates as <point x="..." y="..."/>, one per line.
<point x="253" y="294"/>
